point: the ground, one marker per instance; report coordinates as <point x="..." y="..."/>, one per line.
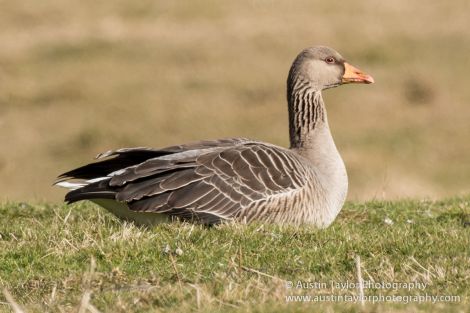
<point x="80" y="78"/>
<point x="62" y="258"/>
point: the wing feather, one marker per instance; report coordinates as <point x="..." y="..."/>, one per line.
<point x="189" y="195"/>
<point x="209" y="181"/>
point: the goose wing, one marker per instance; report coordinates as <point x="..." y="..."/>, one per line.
<point x="208" y="181"/>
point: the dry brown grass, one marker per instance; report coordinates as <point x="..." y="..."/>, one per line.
<point x="78" y="78"/>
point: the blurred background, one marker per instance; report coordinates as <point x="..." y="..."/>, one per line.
<point x="79" y="78"/>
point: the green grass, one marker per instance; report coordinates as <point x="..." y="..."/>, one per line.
<point x="53" y="256"/>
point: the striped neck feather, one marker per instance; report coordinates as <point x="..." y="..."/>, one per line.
<point x="306" y="112"/>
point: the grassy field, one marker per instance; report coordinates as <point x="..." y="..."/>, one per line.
<point x="67" y="259"/>
<point x="79" y="78"/>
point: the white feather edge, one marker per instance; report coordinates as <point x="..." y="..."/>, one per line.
<point x="75" y="185"/>
<point x="69" y="185"/>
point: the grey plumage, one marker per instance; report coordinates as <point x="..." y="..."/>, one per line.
<point x="234" y="178"/>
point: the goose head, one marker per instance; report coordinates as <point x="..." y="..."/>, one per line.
<point x="322" y="68"/>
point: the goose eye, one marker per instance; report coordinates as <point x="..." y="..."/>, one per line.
<point x="330" y="60"/>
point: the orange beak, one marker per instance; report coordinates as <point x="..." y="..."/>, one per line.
<point x="355" y="75"/>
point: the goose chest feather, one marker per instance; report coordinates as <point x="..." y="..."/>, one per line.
<point x="234" y="179"/>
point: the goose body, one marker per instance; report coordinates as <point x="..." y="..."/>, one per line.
<point x="236" y="178"/>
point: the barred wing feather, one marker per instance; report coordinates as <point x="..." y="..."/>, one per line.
<point x="208" y="181"/>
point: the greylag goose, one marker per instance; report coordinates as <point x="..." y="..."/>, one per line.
<point x="234" y="179"/>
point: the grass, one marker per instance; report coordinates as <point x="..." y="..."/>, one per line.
<point x="80" y="78"/>
<point x="65" y="258"/>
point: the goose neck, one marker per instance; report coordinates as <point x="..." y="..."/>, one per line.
<point x="307" y="116"/>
